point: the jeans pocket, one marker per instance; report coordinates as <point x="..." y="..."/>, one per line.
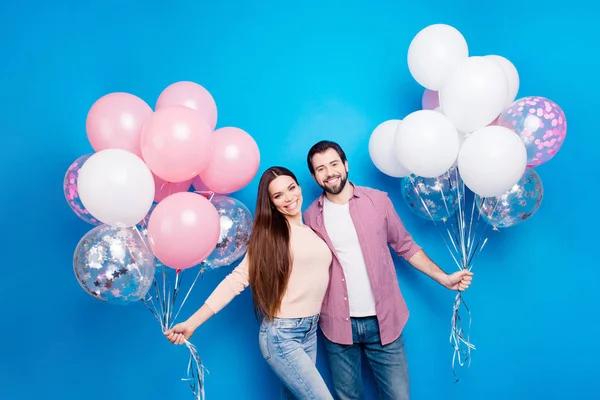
<point x="263" y="343"/>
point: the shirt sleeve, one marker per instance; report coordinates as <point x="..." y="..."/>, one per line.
<point x="230" y="287"/>
<point x="398" y="237"/>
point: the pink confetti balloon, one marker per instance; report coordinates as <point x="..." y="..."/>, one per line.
<point x="72" y="193"/>
<point x="540" y="123"/>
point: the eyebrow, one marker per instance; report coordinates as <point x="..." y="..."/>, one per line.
<point x="330" y="162"/>
<point x="291" y="184"/>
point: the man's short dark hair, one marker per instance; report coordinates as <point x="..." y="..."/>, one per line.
<point x="322" y="147"/>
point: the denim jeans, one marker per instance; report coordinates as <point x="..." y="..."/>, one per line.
<point x="388" y="363"/>
<point x="289" y="345"/>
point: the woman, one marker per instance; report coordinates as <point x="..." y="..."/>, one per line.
<point x="287" y="267"/>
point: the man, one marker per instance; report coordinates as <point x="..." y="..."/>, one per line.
<point x="363" y="309"/>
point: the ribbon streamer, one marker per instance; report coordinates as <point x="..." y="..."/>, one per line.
<point x="465" y="241"/>
<point x="165" y="294"/>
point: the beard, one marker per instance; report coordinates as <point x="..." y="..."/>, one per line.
<point x="339" y="187"/>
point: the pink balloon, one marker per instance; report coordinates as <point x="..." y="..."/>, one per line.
<point x="494" y="122"/>
<point x="176" y="143"/>
<point x="234" y="161"/>
<point x="183" y="230"/>
<point x="115" y="121"/>
<point x="164" y="188"/>
<point x="199" y="185"/>
<point x="191" y="95"/>
<point x="430" y="100"/>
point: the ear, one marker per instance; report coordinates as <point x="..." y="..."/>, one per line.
<point x="346" y="165"/>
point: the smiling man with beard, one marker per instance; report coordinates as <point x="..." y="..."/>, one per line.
<point x="363" y="310"/>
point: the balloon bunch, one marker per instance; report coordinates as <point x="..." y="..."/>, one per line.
<point x="155" y="190"/>
<point x="470" y="134"/>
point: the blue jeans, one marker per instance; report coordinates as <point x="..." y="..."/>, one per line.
<point x="289" y="345"/>
<point x="388" y="363"/>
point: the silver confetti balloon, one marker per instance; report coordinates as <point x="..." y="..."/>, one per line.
<point x="431" y="198"/>
<point x="516" y="205"/>
<point x="114" y="264"/>
<point x="236" y="225"/>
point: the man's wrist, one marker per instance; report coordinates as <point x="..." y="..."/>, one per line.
<point x="442" y="278"/>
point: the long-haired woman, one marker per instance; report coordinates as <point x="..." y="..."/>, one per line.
<point x="287" y="268"/>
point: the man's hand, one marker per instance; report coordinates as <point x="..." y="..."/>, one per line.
<point x="460" y="280"/>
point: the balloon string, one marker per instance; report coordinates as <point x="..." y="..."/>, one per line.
<point x="465" y="241"/>
<point x="195" y="372"/>
<point x="161" y="301"/>
<point x="200" y="273"/>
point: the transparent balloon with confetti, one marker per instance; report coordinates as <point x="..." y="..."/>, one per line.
<point x="72" y="193"/>
<point x="236" y="225"/>
<point x="431" y="198"/>
<point x="114" y="264"/>
<point x="516" y="205"/>
<point x="540" y="123"/>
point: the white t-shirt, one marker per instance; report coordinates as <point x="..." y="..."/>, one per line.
<point x="342" y="233"/>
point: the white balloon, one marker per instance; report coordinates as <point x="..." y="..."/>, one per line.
<point x="434" y="53"/>
<point x="474" y="94"/>
<point x="492" y="160"/>
<point x="116" y="187"/>
<point x="512" y="75"/>
<point x="461" y="139"/>
<point x="426" y="143"/>
<point x="381" y="149"/>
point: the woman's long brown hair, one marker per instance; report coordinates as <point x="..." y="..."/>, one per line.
<point x="269" y="256"/>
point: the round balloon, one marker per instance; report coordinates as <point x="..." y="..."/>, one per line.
<point x="540" y="123"/>
<point x="474" y="94"/>
<point x="236" y="226"/>
<point x="426" y="143"/>
<point x="72" y="192"/>
<point x="512" y="76"/>
<point x="234" y="161"/>
<point x="516" y="205"/>
<point x="381" y="149"/>
<point x="434" y="52"/>
<point x="113" y="264"/>
<point x="183" y="230"/>
<point x="191" y="95"/>
<point x="115" y="122"/>
<point x="431" y="198"/>
<point x="176" y="143"/>
<point x="492" y="160"/>
<point x="116" y="187"/>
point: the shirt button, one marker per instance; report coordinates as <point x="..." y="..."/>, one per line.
<point x="343" y="280"/>
<point x="345" y="298"/>
<point x="346" y="319"/>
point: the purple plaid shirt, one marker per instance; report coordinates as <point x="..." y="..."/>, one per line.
<point x="377" y="225"/>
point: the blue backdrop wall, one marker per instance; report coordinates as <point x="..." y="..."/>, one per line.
<point x="289" y="73"/>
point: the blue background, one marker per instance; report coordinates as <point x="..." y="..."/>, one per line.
<point x="289" y="73"/>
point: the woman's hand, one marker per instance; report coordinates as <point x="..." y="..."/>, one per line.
<point x="180" y="333"/>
